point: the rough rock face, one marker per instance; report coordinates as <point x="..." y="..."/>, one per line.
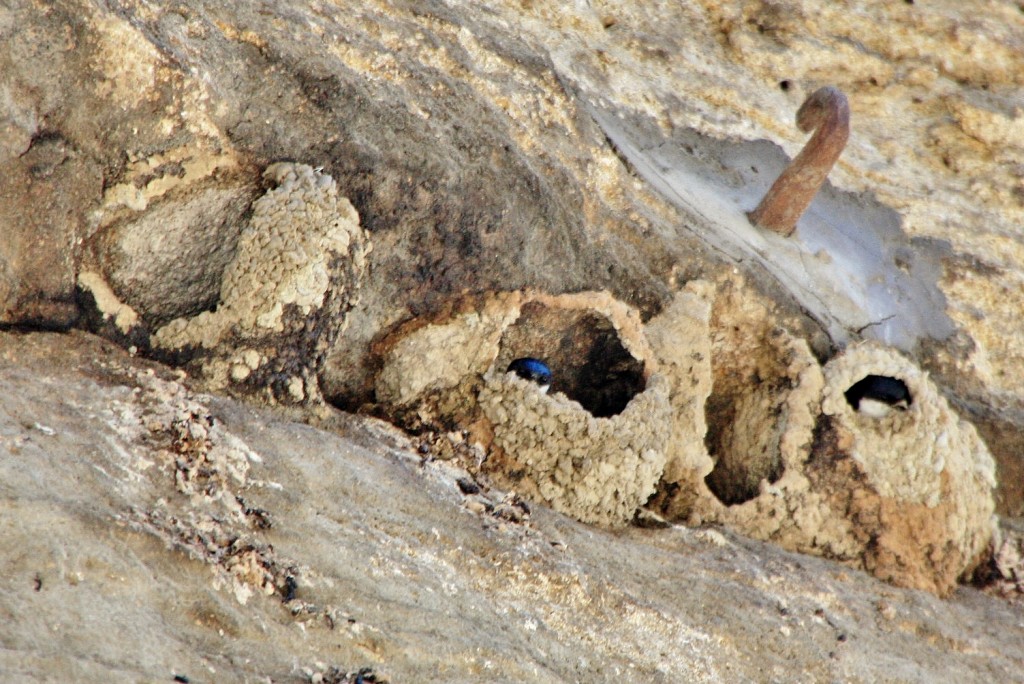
<point x="475" y="148"/>
<point x="541" y="150"/>
<point x="152" y="532"/>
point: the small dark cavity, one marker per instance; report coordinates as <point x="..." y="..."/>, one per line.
<point x="364" y="675"/>
<point x="882" y="388"/>
<point x="736" y="477"/>
<point x="513" y="509"/>
<point x="290" y="589"/>
<point x="260" y="518"/>
<point x="467" y="486"/>
<point x="591" y="365"/>
<point x="784" y="85"/>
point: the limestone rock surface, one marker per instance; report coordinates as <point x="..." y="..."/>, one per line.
<point x="153" y="532"/>
<point x="562" y="147"/>
<point x="509" y="147"/>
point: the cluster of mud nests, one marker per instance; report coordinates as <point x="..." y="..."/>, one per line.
<point x="709" y="412"/>
<point x="712" y="411"/>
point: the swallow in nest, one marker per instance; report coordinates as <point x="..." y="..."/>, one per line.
<point x="878" y="395"/>
<point x="533" y="370"/>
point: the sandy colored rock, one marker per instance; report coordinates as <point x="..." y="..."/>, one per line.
<point x="152" y="532"/>
<point x="587" y="149"/>
<point x="560" y="147"/>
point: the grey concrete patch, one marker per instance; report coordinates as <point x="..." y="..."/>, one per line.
<point x="849" y="264"/>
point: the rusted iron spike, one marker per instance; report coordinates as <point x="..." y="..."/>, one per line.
<point x="827" y="113"/>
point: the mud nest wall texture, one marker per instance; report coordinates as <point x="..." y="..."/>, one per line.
<point x="593" y="448"/>
<point x="918" y="482"/>
<point x="708" y="413"/>
<point x="285" y="295"/>
<point x="713" y="411"/>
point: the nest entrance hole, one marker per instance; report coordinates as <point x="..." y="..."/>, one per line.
<point x="588" y="361"/>
<point x="745" y="418"/>
<point x="876" y="395"/>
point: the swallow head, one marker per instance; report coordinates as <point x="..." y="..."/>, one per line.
<point x="534" y="370"/>
<point x="878" y="395"/>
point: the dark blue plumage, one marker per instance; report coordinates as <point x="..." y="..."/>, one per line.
<point x="877" y="395"/>
<point x="533" y="370"/>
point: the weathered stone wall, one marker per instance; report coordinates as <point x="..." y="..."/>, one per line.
<point x="605" y="147"/>
<point x="136" y="137"/>
<point x="151" y="531"/>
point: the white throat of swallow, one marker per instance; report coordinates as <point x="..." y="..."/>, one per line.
<point x="879" y="409"/>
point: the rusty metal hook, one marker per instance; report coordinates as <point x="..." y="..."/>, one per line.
<point x="827" y="113"/>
